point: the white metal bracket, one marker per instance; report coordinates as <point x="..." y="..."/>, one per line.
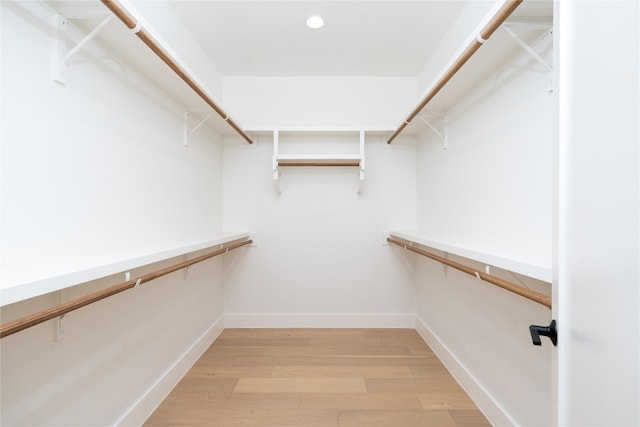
<point x="444" y="135"/>
<point x="63" y="55"/>
<point x="188" y="132"/>
<point x="59" y="324"/>
<point x="276" y="172"/>
<point x="317" y="160"/>
<point x="361" y="171"/>
<point x="531" y="52"/>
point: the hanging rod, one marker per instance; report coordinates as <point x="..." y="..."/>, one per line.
<point x="318" y="163"/>
<point x="504" y="284"/>
<point x="481" y="38"/>
<point x="155" y="47"/>
<point x="58" y="310"/>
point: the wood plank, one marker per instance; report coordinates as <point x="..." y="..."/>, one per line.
<point x="445" y="399"/>
<point x="412" y="385"/>
<point x="300" y="385"/>
<point x="291" y="333"/>
<point x="395" y="419"/>
<point x="205" y="384"/>
<point x="391" y="371"/>
<point x="306" y="350"/>
<point x="184" y="402"/>
<point x="206" y="370"/>
<point x="360" y="401"/>
<point x="260" y="342"/>
<point x="262" y="418"/>
<point x="336" y="360"/>
<point x="469" y="418"/>
<point x="318" y="377"/>
<point x="433" y="369"/>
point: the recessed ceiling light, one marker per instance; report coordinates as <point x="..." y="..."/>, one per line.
<point x="315" y="22"/>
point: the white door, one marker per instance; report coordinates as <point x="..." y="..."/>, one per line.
<point x="596" y="283"/>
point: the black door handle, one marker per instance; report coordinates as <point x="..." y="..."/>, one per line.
<point x="547" y="331"/>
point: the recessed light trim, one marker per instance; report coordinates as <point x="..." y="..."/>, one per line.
<point x="315" y="22"/>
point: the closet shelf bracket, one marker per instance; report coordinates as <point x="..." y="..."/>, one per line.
<point x="63" y="55"/>
<point x="531" y="52"/>
<point x="187" y="132"/>
<point x="444" y="135"/>
<point x="312" y="160"/>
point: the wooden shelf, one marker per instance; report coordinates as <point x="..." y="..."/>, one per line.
<point x="313" y="160"/>
<point x="319" y="160"/>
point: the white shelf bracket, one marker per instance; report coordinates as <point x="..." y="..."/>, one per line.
<point x="361" y="171"/>
<point x="187" y="132"/>
<point x="63" y="55"/>
<point x="531" y="52"/>
<point x="276" y="172"/>
<point x="444" y="135"/>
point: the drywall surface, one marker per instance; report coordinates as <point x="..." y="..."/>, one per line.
<point x="319" y="102"/>
<point x="598" y="219"/>
<point x="464" y="29"/>
<point x="320" y="258"/>
<point x="116" y="359"/>
<point x="161" y="21"/>
<point x="94" y="172"/>
<point x="491" y="192"/>
<point x="481" y="333"/>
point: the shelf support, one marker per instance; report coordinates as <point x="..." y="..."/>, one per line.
<point x="531" y="52"/>
<point x="527" y="48"/>
<point x="361" y="172"/>
<point x="276" y="172"/>
<point x="60" y="63"/>
<point x="188" y="132"/>
<point x="444" y="135"/>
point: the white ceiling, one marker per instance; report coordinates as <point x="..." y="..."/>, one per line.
<point x="360" y="38"/>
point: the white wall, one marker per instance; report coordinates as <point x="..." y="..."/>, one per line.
<point x="319" y="102"/>
<point x="95" y="172"/>
<point x="159" y="20"/>
<point x="320" y="259"/>
<point x="86" y="167"/>
<point x="491" y="192"/>
<point x="118" y="358"/>
<point x="598" y="273"/>
<point x="462" y="31"/>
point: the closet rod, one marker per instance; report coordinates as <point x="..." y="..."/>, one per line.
<point x="504" y="284"/>
<point x="482" y="37"/>
<point x="142" y="35"/>
<point x="58" y="310"/>
<point x="333" y="164"/>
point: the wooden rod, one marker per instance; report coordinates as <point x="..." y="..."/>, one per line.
<point x="283" y="164"/>
<point x="486" y="32"/>
<point x="148" y="40"/>
<point x="58" y="310"/>
<point x="504" y="284"/>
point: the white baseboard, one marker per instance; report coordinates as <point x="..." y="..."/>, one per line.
<point x="319" y="320"/>
<point x="144" y="407"/>
<point x="496" y="415"/>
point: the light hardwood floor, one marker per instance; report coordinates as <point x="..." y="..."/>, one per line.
<point x="319" y="378"/>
